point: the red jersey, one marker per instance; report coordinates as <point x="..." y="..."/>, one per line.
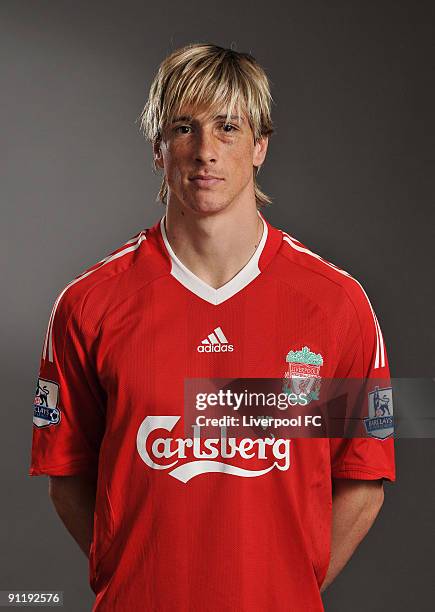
<point x="247" y="532"/>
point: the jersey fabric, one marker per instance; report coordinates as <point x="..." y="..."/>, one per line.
<point x="242" y="532"/>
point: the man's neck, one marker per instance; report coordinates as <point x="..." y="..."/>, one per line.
<point x="214" y="247"/>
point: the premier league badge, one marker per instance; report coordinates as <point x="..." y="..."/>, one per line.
<point x="303" y="374"/>
<point x="380" y="422"/>
<point x="45" y="409"/>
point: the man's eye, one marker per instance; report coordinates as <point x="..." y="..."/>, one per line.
<point x="181" y="127"/>
<point x="229" y="125"/>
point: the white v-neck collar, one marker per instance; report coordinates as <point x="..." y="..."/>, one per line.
<point x="215" y="296"/>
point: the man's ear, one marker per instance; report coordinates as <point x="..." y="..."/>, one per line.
<point x="158" y="157"/>
<point x="260" y="150"/>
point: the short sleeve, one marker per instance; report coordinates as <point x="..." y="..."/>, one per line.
<point x="69" y="405"/>
<point x="364" y="359"/>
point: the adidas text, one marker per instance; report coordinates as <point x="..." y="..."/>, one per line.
<point x="215" y="348"/>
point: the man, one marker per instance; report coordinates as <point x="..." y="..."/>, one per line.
<point x="211" y="290"/>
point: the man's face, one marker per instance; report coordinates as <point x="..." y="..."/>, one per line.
<point x="197" y="145"/>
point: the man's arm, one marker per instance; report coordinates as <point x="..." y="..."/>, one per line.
<point x="74" y="500"/>
<point x="355" y="505"/>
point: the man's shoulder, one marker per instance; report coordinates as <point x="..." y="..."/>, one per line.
<point x="322" y="275"/>
<point x="98" y="287"/>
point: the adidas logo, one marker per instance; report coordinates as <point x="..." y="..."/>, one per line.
<point x="215" y="343"/>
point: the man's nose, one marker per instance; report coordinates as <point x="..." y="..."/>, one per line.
<point x="205" y="146"/>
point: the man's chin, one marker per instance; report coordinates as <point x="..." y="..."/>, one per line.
<point x="206" y="206"/>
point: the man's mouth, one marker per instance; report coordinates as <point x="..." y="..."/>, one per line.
<point x="203" y="180"/>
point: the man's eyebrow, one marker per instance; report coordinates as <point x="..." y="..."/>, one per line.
<point x="189" y="118"/>
<point x="232" y="117"/>
<point x="182" y="118"/>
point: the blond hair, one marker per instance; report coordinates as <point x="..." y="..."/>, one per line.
<point x="205" y="74"/>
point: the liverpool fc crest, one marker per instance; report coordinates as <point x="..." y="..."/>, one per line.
<point x="303" y="374"/>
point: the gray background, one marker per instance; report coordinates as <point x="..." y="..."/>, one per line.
<point x="351" y="173"/>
